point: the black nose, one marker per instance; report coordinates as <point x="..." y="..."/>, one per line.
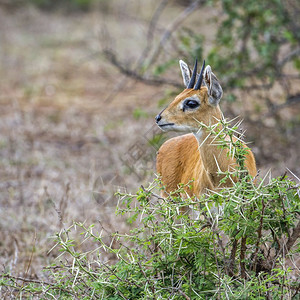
<point x="158" y="118"/>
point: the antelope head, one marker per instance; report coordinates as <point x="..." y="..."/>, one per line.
<point x="198" y="103"/>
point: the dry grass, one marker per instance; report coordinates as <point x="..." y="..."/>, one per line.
<point x="61" y="144"/>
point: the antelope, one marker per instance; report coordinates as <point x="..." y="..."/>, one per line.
<point x="193" y="157"/>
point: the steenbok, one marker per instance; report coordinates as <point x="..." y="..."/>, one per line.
<point x="195" y="157"/>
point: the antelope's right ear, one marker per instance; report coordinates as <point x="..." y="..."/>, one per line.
<point x="214" y="88"/>
<point x="185" y="72"/>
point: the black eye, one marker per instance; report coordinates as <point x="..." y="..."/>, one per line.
<point x="191" y="104"/>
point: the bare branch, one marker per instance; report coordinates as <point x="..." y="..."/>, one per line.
<point x="232" y="258"/>
<point x="153" y="194"/>
<point x="259" y="235"/>
<point x="133" y="74"/>
<point x="183" y="294"/>
<point x="134" y="71"/>
<point x="293" y="99"/>
<point x="242" y="257"/>
<point x="151" y="30"/>
<point x="288" y="57"/>
<point x="53" y="285"/>
<point x="174" y="25"/>
<point x="293" y="238"/>
<point x="145" y="276"/>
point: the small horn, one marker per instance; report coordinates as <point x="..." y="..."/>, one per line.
<point x="193" y="78"/>
<point x="199" y="81"/>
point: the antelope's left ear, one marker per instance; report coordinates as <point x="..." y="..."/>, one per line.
<point x="215" y="91"/>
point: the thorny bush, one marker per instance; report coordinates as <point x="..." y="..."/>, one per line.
<point x="234" y="243"/>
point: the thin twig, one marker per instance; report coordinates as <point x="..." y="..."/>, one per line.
<point x="259" y="235"/>
<point x="153" y="194"/>
<point x="170" y="30"/>
<point x="242" y="257"/>
<point x="230" y="270"/>
<point x="183" y="294"/>
<point x="53" y="285"/>
<point x="147" y="279"/>
<point x="293" y="238"/>
<point x="151" y="29"/>
<point x="31" y="255"/>
<point x="111" y="56"/>
<point x="288" y="57"/>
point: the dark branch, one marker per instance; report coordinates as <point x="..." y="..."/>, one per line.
<point x="291" y="100"/>
<point x="259" y="235"/>
<point x="133" y="74"/>
<point x="242" y="257"/>
<point x="172" y="28"/>
<point x="232" y="258"/>
<point x="288" y="57"/>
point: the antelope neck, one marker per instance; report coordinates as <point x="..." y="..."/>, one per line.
<point x="212" y="156"/>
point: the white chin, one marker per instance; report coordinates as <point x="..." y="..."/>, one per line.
<point x="177" y="128"/>
<point x="166" y="128"/>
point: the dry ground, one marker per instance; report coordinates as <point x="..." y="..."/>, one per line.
<point x="62" y="140"/>
<point x="67" y="142"/>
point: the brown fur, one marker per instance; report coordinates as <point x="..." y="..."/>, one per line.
<point x="181" y="160"/>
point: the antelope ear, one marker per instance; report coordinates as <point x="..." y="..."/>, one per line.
<point x="185" y="72"/>
<point x="215" y="91"/>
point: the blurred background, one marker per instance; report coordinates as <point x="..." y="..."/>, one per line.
<point x="81" y="83"/>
